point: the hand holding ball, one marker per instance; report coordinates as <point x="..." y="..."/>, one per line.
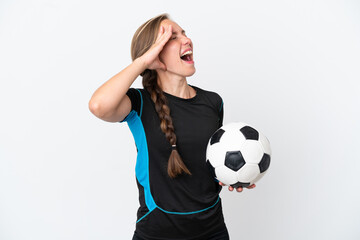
<point x="238" y="155"/>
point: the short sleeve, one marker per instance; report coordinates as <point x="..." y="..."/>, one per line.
<point x="136" y="101"/>
<point x="221" y="113"/>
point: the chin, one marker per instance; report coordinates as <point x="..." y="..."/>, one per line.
<point x="190" y="73"/>
<point x="184" y="72"/>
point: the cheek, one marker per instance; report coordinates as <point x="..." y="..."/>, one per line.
<point x="169" y="53"/>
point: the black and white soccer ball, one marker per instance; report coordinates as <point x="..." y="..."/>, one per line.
<point x="238" y="155"/>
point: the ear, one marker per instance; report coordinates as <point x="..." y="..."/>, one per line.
<point x="161" y="68"/>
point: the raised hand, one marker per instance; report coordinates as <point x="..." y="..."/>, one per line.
<point x="151" y="57"/>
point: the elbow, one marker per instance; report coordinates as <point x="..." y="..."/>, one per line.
<point x="95" y="108"/>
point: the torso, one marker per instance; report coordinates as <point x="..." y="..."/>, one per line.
<point x="188" y="205"/>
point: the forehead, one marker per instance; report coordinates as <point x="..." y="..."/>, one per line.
<point x="175" y="27"/>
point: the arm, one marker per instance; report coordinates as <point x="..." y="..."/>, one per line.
<point x="110" y="102"/>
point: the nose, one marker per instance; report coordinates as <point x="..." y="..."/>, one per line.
<point x="187" y="41"/>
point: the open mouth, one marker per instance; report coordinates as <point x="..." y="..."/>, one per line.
<point x="187" y="56"/>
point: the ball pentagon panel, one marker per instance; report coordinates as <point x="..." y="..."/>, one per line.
<point x="240" y="184"/>
<point x="215" y="138"/>
<point x="264" y="163"/>
<point x="234" y="160"/>
<point x="250" y="133"/>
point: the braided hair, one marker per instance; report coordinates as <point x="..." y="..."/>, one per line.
<point x="143" y="39"/>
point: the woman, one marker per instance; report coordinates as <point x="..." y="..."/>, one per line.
<point x="171" y="122"/>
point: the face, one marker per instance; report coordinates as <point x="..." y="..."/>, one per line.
<point x="177" y="52"/>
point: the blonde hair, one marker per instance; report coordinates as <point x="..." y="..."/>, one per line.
<point x="144" y="37"/>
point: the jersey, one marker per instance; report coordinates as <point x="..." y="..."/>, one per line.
<point x="188" y="206"/>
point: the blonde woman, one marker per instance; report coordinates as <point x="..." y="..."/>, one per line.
<point x="171" y="123"/>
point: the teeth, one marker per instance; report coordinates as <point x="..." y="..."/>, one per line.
<point x="186" y="53"/>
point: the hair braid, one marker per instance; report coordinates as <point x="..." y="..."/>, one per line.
<point x="143" y="39"/>
<point x="176" y="165"/>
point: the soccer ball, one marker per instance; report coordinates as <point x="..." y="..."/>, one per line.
<point x="238" y="155"/>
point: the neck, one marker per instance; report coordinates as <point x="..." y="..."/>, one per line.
<point x="176" y="86"/>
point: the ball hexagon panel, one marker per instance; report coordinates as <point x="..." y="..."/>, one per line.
<point x="228" y="176"/>
<point x="252" y="151"/>
<point x="264" y="163"/>
<point x="232" y="140"/>
<point x="216" y="154"/>
<point x="234" y="160"/>
<point x="258" y="178"/>
<point x="265" y="144"/>
<point x="248" y="172"/>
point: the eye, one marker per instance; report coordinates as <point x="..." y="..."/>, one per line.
<point x="173" y="37"/>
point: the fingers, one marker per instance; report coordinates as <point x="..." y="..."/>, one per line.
<point x="164" y="35"/>
<point x="161" y="32"/>
<point x="151" y="57"/>
<point x="239" y="189"/>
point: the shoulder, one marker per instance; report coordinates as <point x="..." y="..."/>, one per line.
<point x="138" y="93"/>
<point x="136" y="90"/>
<point x="207" y="93"/>
<point x="212" y="97"/>
<point x="138" y="98"/>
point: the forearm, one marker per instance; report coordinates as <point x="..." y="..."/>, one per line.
<point x="109" y="95"/>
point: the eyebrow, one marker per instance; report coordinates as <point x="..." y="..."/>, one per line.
<point x="182" y="32"/>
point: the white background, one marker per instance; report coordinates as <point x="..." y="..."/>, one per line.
<point x="289" y="68"/>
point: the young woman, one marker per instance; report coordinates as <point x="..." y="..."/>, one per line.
<point x="171" y="122"/>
